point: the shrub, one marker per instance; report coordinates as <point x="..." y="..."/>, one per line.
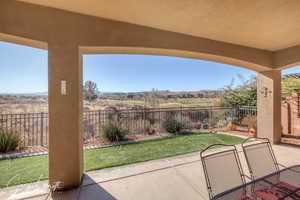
<point x="232" y="127"/>
<point x="113" y="132"/>
<point x="241" y="95"/>
<point x="9" y="140"/>
<point x="172" y="126"/>
<point x="249" y="121"/>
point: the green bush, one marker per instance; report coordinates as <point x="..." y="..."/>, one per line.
<point x="9" y="140"/>
<point x="113" y="132"/>
<point x="172" y="126"/>
<point x="244" y="94"/>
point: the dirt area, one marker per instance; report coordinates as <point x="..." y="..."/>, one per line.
<point x="37" y="104"/>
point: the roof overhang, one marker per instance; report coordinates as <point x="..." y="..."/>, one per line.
<point x="269" y="25"/>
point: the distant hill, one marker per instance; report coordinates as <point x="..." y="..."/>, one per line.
<point x="25" y="94"/>
<point x="166" y="94"/>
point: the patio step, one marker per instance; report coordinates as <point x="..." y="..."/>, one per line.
<point x="290" y="140"/>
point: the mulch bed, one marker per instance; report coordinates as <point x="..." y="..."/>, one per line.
<point x="132" y="138"/>
<point x="27" y="151"/>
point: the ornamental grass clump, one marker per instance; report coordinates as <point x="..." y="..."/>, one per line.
<point x="113" y="132"/>
<point x="9" y="140"/>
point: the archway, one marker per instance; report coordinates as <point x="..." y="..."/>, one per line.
<point x="23" y="112"/>
<point x="148" y="123"/>
<point x="290" y="105"/>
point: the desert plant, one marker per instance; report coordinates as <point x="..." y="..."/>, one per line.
<point x="113" y="132"/>
<point x="172" y="126"/>
<point x="9" y="140"/>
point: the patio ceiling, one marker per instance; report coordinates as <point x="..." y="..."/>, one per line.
<point x="270" y="25"/>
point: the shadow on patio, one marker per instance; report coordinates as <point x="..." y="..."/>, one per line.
<point x="179" y="177"/>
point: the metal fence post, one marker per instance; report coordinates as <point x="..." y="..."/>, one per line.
<point x="181" y="114"/>
<point x="99" y="127"/>
<point x="42" y="129"/>
<point x="210" y="117"/>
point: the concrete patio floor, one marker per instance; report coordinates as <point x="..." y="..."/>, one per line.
<point x="179" y="177"/>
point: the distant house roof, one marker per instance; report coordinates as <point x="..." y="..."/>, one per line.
<point x="293" y="75"/>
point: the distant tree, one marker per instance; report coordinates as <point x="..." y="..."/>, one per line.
<point x="244" y="94"/>
<point x="289" y="85"/>
<point x="152" y="99"/>
<point x="90" y="91"/>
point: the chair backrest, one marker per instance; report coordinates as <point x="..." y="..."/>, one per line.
<point x="260" y="157"/>
<point x="222" y="169"/>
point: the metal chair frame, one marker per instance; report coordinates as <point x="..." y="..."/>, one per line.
<point x="237" y="159"/>
<point x="263" y="141"/>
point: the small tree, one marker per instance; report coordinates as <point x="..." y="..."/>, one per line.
<point x="152" y="99"/>
<point x="289" y="85"/>
<point x="244" y="94"/>
<point x="90" y="91"/>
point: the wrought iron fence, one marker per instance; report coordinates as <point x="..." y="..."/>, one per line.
<point x="33" y="127"/>
<point x="242" y="112"/>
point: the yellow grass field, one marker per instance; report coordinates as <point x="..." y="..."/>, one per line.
<point x="15" y="104"/>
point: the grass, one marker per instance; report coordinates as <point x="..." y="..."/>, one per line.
<point x="30" y="169"/>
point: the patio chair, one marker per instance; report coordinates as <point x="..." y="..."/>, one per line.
<point x="261" y="161"/>
<point x="260" y="157"/>
<point x="223" y="171"/>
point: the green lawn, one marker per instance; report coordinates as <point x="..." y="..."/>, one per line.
<point x="30" y="169"/>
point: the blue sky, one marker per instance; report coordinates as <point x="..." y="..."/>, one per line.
<point x="24" y="70"/>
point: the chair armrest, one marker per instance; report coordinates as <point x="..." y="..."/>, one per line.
<point x="281" y="165"/>
<point x="287" y="168"/>
<point x="248" y="177"/>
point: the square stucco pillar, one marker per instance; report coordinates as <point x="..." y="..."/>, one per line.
<point x="269" y="105"/>
<point x="65" y="115"/>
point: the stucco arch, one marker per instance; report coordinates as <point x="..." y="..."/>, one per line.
<point x="61" y="28"/>
<point x="172" y="52"/>
<point x="138" y="50"/>
<point x="23" y="41"/>
<point x="287" y="58"/>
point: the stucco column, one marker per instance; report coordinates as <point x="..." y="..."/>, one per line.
<point x="65" y="115"/>
<point x="269" y="105"/>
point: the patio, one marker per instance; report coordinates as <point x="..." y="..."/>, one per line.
<point x="178" y="177"/>
<point x="258" y="35"/>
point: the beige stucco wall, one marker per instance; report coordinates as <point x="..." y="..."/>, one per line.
<point x="269" y="105"/>
<point x="290" y="116"/>
<point x="58" y="26"/>
<point x="65" y="116"/>
<point x="44" y="24"/>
